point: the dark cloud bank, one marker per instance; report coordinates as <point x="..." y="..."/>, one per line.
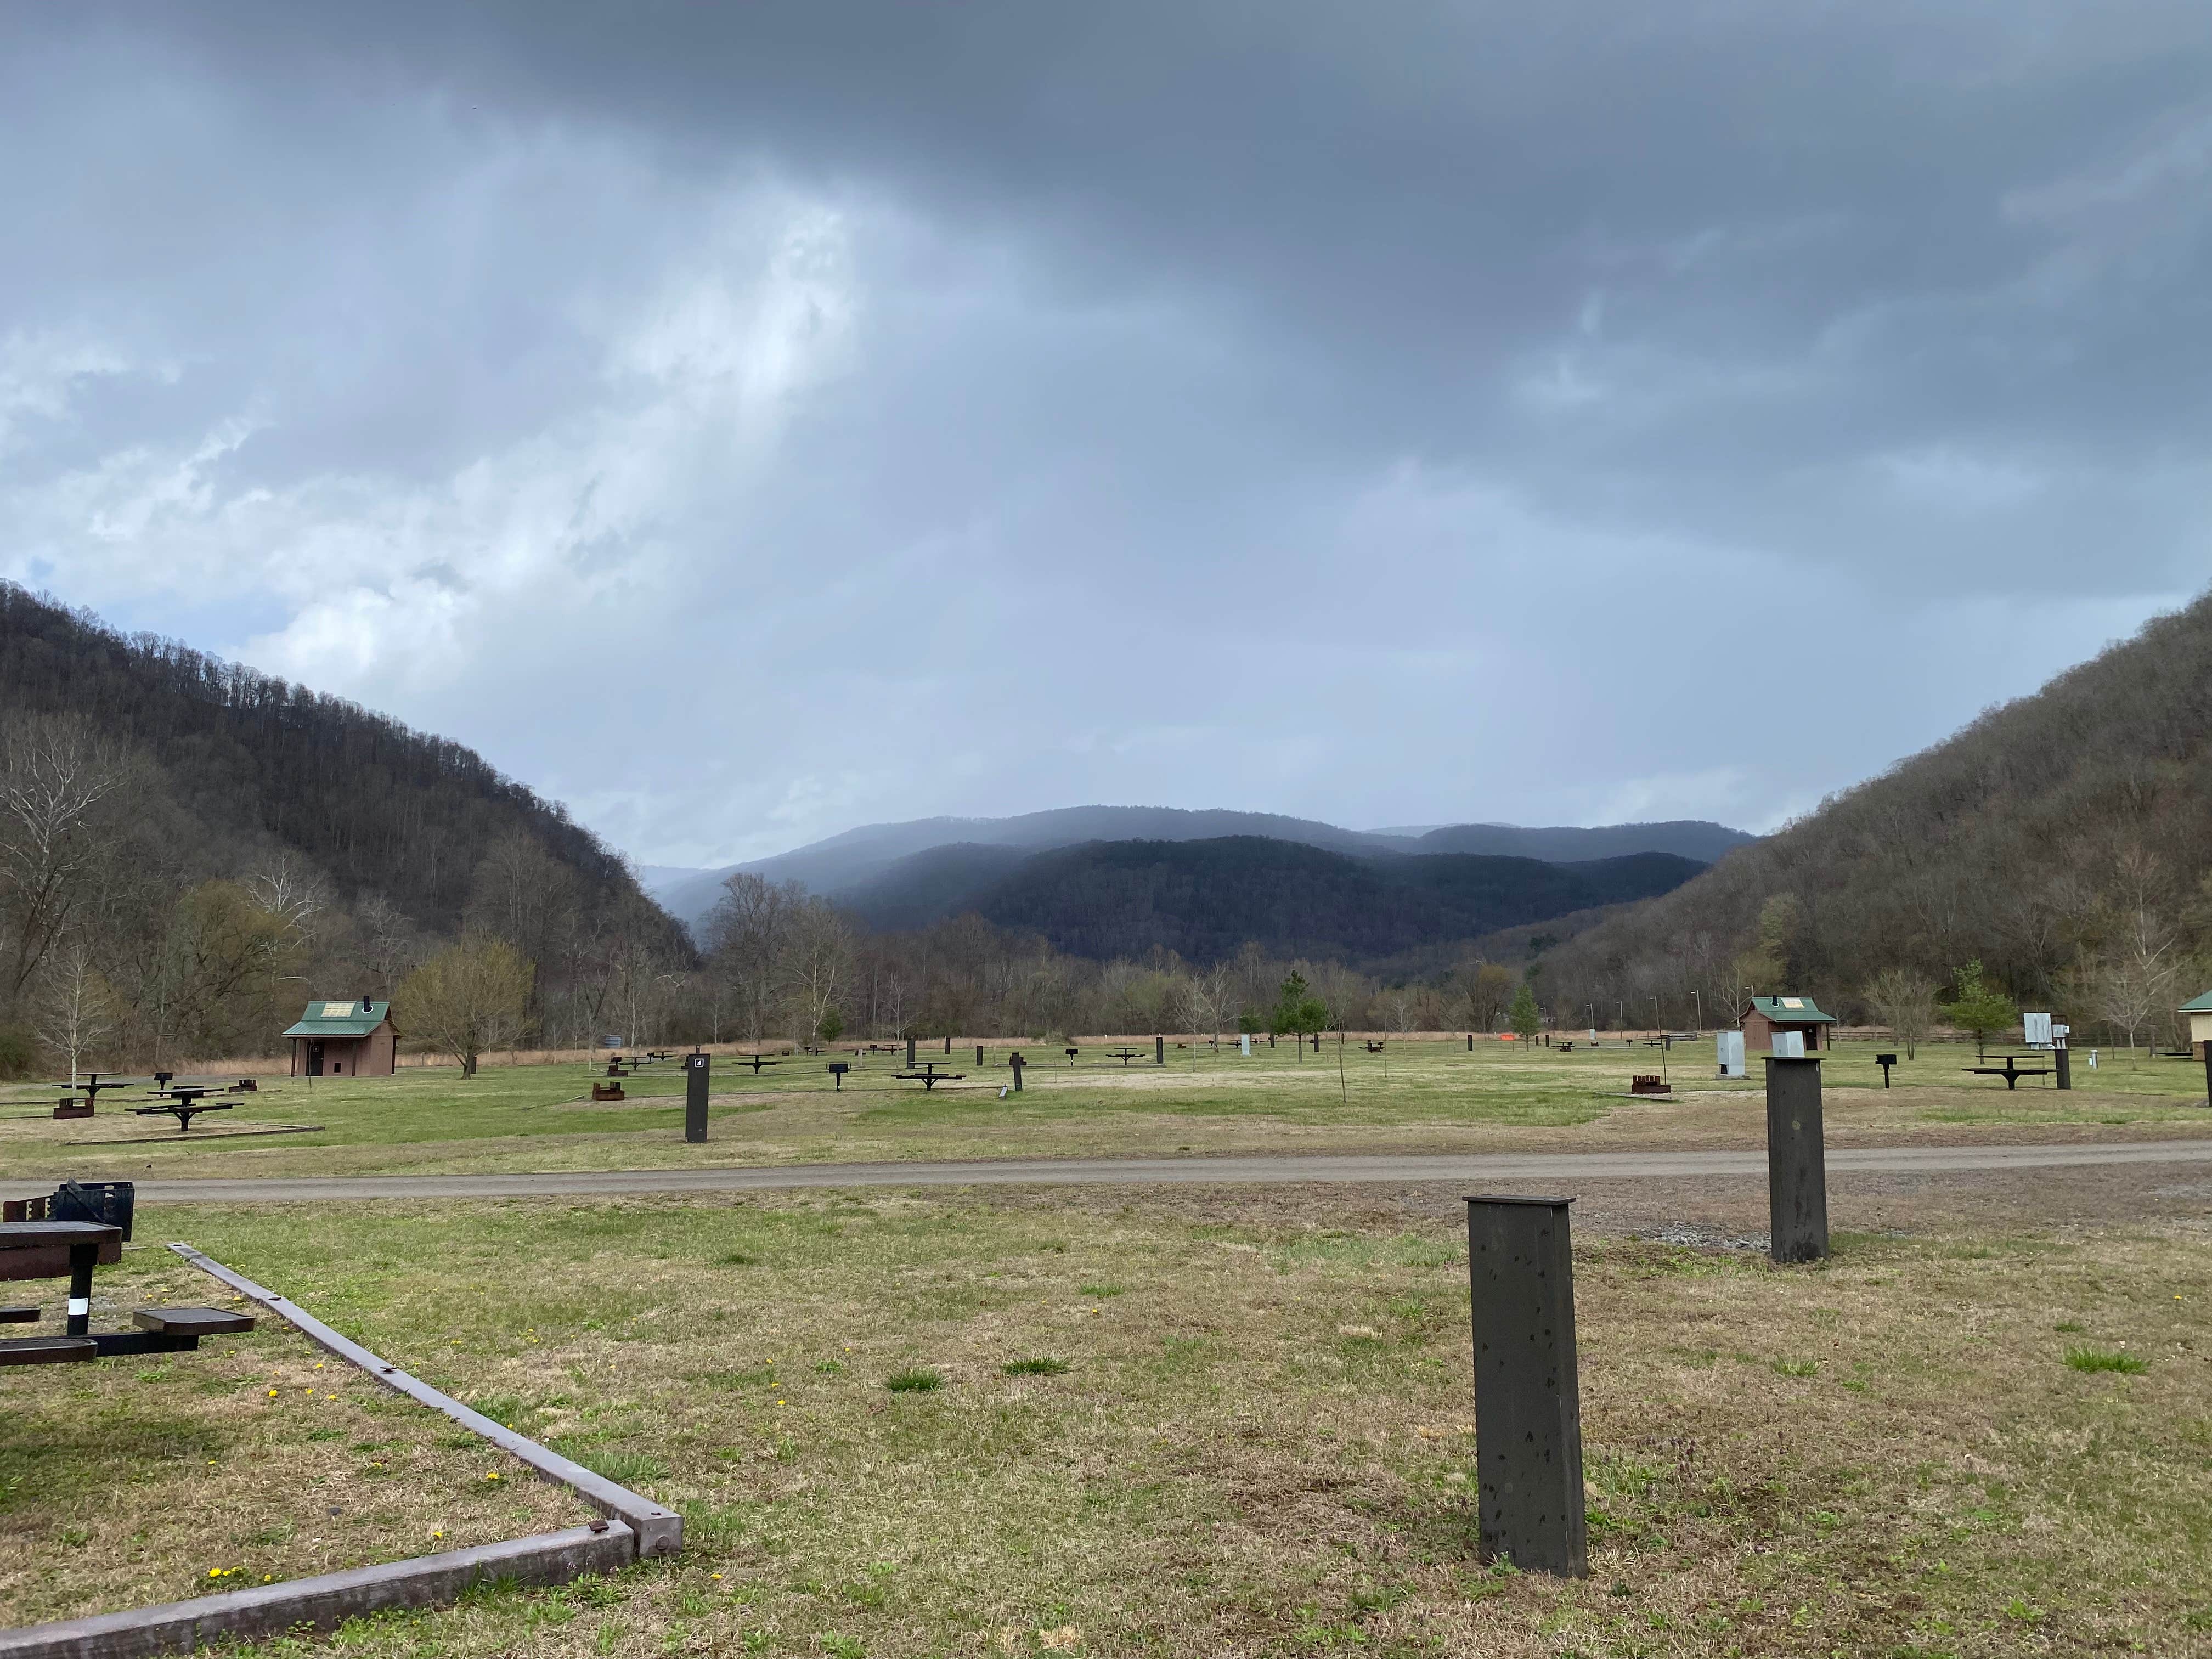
<point x="744" y="422"/>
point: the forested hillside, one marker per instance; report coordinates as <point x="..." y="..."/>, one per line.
<point x="189" y="850"/>
<point x="2064" y="841"/>
<point x="1204" y="900"/>
<point x="864" y="867"/>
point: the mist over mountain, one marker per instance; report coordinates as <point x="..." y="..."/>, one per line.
<point x="837" y="866"/>
<point x="1205" y="900"/>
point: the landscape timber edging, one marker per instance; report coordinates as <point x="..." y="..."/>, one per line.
<point x="326" y="1600"/>
<point x="657" y="1530"/>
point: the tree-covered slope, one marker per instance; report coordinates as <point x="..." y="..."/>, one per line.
<point x="1205" y="899"/>
<point x="2064" y="839"/>
<point x="378" y="807"/>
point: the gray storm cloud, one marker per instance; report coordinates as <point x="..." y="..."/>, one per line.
<point x="745" y="422"/>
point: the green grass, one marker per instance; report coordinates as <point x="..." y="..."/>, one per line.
<point x="914" y="1381"/>
<point x="1263" y="1447"/>
<point x="2106" y="1359"/>
<point x="1434" y="1096"/>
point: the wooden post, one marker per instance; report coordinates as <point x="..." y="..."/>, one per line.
<point x="1016" y="1062"/>
<point x="1159" y="1051"/>
<point x="1797" y="1160"/>
<point x="1528" y="1392"/>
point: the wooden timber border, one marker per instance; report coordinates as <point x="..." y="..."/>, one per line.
<point x="634" y="1527"/>
<point x="321" y="1602"/>
<point x="658" y="1530"/>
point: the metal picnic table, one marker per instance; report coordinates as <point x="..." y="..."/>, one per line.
<point x="186" y="1102"/>
<point x="929" y="1077"/>
<point x="2009" y="1071"/>
<point x="1125" y="1055"/>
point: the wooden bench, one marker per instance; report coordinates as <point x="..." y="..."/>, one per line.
<point x="47" y="1350"/>
<point x="194" y="1322"/>
<point x="1647" y="1082"/>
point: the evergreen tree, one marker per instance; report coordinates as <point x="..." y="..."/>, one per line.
<point x="1980" y="1007"/>
<point x="1524" y="1016"/>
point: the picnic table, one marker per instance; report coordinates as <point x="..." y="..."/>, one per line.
<point x="70" y="1250"/>
<point x="1125" y="1055"/>
<point x="94" y="1082"/>
<point x="185" y="1103"/>
<point x="755" y="1061"/>
<point x="929" y="1077"/>
<point x="2010" y="1072"/>
<point x="1374" y="1047"/>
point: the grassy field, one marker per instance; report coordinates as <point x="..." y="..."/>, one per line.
<point x="132" y="1481"/>
<point x="1416" y="1096"/>
<point x="1204" y="1423"/>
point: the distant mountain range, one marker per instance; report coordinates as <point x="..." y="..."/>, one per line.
<point x="1205" y="899"/>
<point x="906" y="875"/>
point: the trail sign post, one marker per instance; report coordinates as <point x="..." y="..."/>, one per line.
<point x="695" y="1071"/>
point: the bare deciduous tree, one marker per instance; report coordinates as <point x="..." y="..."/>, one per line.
<point x="1904" y="999"/>
<point x="74" y="1008"/>
<point x="56" y="776"/>
<point x="816" y="962"/>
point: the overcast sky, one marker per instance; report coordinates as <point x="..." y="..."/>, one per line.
<point x="745" y="422"/>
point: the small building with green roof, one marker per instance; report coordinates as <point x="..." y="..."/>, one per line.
<point x="345" y="1039"/>
<point x="1762" y="1016"/>
<point x="2199" y="1011"/>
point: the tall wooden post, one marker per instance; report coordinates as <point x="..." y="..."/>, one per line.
<point x="1797" y="1160"/>
<point x="1159" y="1051"/>
<point x="1017" y="1062"/>
<point x="1528" y="1392"/>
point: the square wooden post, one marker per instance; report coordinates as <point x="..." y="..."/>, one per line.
<point x="1797" y="1160"/>
<point x="1528" y="1392"/>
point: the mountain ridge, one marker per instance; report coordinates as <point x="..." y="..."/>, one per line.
<point x="839" y="863"/>
<point x="1206" y="900"/>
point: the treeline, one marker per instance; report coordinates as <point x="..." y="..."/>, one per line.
<point x="2063" y="841"/>
<point x="779" y="964"/>
<point x="190" y="851"/>
<point x="133" y="934"/>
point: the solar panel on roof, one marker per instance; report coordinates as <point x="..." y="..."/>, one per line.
<point x="337" y="1009"/>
